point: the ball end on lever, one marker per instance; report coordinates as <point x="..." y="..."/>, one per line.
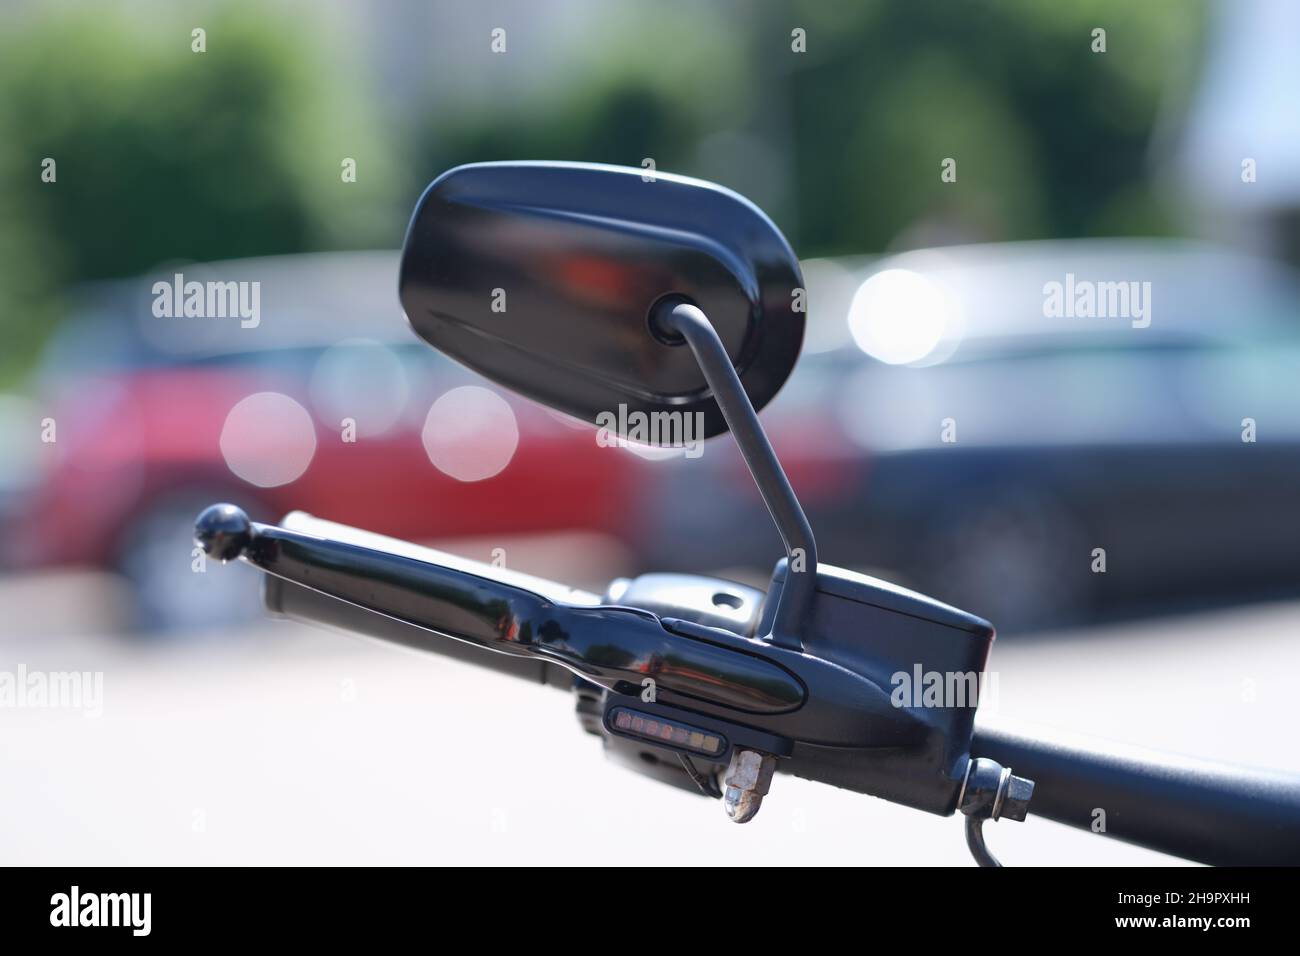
<point x="223" y="531"/>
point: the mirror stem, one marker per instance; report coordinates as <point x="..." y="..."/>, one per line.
<point x="795" y="600"/>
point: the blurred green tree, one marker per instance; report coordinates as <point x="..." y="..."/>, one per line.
<point x="165" y="154"/>
<point x="645" y="86"/>
<point x="843" y="143"/>
<point x="1051" y="138"/>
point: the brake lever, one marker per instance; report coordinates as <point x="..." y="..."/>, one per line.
<point x="744" y="686"/>
<point x="612" y="646"/>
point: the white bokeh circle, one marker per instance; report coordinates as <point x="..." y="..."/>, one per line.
<point x="470" y="433"/>
<point x="900" y="317"/>
<point x="268" y="439"/>
<point x="363" y="380"/>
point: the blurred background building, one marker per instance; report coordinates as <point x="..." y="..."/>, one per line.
<point x="1248" y="79"/>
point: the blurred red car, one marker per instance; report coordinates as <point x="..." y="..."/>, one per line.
<point x="327" y="403"/>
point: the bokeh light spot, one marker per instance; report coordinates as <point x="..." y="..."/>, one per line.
<point x="470" y="433"/>
<point x="362" y="380"/>
<point x="899" y="316"/>
<point x="268" y="439"/>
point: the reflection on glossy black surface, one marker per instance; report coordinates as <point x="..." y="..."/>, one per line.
<point x="615" y="647"/>
<point x="708" y="670"/>
<point x="542" y="276"/>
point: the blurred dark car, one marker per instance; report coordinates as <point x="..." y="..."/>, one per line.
<point x="1066" y="434"/>
<point x="159" y="416"/>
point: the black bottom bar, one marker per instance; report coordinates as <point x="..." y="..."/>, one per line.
<point x="1020" y="906"/>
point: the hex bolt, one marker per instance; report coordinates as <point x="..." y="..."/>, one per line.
<point x="1015" y="802"/>
<point x="993" y="792"/>
<point x="748" y="777"/>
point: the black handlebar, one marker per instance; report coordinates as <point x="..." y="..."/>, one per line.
<point x="839" y="732"/>
<point x="1200" y="810"/>
<point x="1211" y="813"/>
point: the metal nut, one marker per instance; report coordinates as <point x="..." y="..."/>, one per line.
<point x="1015" y="804"/>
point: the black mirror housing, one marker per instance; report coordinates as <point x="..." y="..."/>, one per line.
<point x="543" y="277"/>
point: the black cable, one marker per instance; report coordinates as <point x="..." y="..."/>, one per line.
<point x="975" y="841"/>
<point x="709" y="787"/>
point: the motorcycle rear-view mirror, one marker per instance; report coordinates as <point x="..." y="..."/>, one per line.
<point x="547" y="279"/>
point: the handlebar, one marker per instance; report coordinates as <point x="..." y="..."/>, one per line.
<point x="1211" y="813"/>
<point x="813" y="707"/>
<point x="1200" y="810"/>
